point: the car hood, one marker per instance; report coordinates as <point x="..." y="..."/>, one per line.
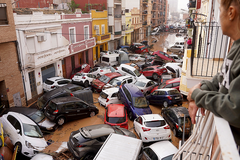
<point x="142" y="111"/>
<point x="38" y="143"/>
<point x="47" y="124"/>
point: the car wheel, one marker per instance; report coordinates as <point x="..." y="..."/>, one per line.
<point x="61" y="121"/>
<point x="165" y="104"/>
<point x="18" y="145"/>
<point x="92" y="114"/>
<point x="119" y="96"/>
<point x="86" y="84"/>
<point x="130" y="114"/>
<point x="155" y="76"/>
<point x="174" y="132"/>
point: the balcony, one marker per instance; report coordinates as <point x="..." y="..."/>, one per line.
<point x="117" y="1"/>
<point x="145" y="23"/>
<point x="117" y="16"/>
<point x="129" y="29"/>
<point x="192" y="4"/>
<point x="211" y="139"/>
<point x="39" y="59"/>
<point x="117" y="34"/>
<point x="103" y="38"/>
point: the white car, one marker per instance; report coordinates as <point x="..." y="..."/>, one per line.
<point x="163" y="150"/>
<point x="174" y="67"/>
<point x="105" y="53"/>
<point x="176" y="48"/>
<point x="145" y="85"/>
<point x="98" y="71"/>
<point x="109" y="96"/>
<point x="84" y="79"/>
<point x="42" y="156"/>
<point x="176" y="58"/>
<point x="120" y="80"/>
<point x="23" y="133"/>
<point x="136" y="57"/>
<point x="125" y="69"/>
<point x="55" y="82"/>
<point x="152" y="127"/>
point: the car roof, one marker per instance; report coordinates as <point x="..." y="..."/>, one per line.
<point x="98" y="130"/>
<point x="65" y="99"/>
<point x="174" y="80"/>
<point x="110" y="90"/>
<point x="145" y="80"/>
<point x="165" y="89"/>
<point x="24" y="110"/>
<point x="180" y="111"/>
<point x="55" y="78"/>
<point x="113" y="74"/>
<point x="115" y="110"/>
<point x="128" y="67"/>
<point x="163" y="148"/>
<point x="150" y="117"/>
<point x="22" y="118"/>
<point x="134" y="90"/>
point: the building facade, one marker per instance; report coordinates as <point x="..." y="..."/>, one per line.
<point x="87" y="5"/>
<point x="146" y="9"/>
<point x="100" y="32"/>
<point x="77" y="30"/>
<point x="129" y="28"/>
<point x="11" y="81"/>
<point x="42" y="49"/>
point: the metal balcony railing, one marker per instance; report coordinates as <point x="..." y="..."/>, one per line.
<point x="208" y="51"/>
<point x="117" y="16"/>
<point x="118" y="33"/>
<point x="211" y="139"/>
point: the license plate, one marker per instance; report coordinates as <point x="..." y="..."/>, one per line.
<point x="157" y="138"/>
<point x="177" y="97"/>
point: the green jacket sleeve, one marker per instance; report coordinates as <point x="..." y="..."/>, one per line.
<point x="210" y="85"/>
<point x="223" y="105"/>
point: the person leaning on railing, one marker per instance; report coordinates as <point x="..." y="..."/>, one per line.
<point x="221" y="95"/>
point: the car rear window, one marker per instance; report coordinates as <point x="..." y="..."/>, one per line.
<point x="157" y="123"/>
<point x="52" y="106"/>
<point x="172" y="92"/>
<point x="187" y="121"/>
<point x="115" y="120"/>
<point x="140" y="84"/>
<point x="104" y="79"/>
<point x="103" y="95"/>
<point x="49" y="82"/>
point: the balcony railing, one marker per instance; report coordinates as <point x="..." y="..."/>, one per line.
<point x="117" y="16"/>
<point x="211" y="139"/>
<point x="103" y="38"/>
<point x="118" y="33"/>
<point x="145" y="23"/>
<point x="117" y="1"/>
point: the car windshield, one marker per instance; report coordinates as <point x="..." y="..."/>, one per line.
<point x="38" y="116"/>
<point x="168" y="157"/>
<point x="140" y="84"/>
<point x="155" y="123"/>
<point x="32" y="130"/>
<point x="140" y="102"/>
<point x="104" y="79"/>
<point x="103" y="95"/>
<point x="41" y="102"/>
<point x="137" y="73"/>
<point x="172" y="92"/>
<point x="49" y="82"/>
<point x="162" y="85"/>
<point x="114" y="82"/>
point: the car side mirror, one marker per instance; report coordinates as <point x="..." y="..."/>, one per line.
<point x="18" y="131"/>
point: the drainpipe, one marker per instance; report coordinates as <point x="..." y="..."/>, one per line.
<point x="20" y="68"/>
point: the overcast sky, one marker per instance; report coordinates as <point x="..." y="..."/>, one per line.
<point x="182" y="4"/>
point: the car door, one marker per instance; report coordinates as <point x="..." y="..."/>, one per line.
<point x="153" y="97"/>
<point x="160" y="97"/>
<point x="150" y="85"/>
<point x="82" y="110"/>
<point x="69" y="110"/>
<point x="138" y="125"/>
<point x="146" y="72"/>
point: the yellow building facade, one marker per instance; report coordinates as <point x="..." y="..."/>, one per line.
<point x="100" y="32"/>
<point x="128" y="29"/>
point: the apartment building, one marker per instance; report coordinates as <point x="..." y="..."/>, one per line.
<point x="146" y="9"/>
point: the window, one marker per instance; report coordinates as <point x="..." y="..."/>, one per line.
<point x="97" y="30"/>
<point x="81" y="105"/>
<point x="72" y="35"/>
<point x="110" y="29"/>
<point x="54" y="40"/>
<point x="105" y="59"/>
<point x="30" y="44"/>
<point x="86" y="32"/>
<point x="110" y="11"/>
<point x="70" y="106"/>
<point x="3" y="14"/>
<point x="103" y="29"/>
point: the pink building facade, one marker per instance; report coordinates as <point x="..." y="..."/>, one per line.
<point x="77" y="29"/>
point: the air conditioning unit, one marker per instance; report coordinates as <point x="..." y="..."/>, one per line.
<point x="41" y="38"/>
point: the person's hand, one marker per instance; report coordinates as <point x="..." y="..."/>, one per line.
<point x="191" y="90"/>
<point x="192" y="110"/>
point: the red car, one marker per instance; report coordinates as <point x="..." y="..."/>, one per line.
<point x="164" y="56"/>
<point x="171" y="83"/>
<point x="141" y="49"/>
<point x="98" y="84"/>
<point x="84" y="68"/>
<point x="153" y="71"/>
<point x="116" y="115"/>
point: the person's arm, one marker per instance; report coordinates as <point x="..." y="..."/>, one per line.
<point x="212" y="85"/>
<point x="226" y="106"/>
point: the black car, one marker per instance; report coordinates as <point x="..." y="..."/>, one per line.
<point x="174" y="116"/>
<point x="64" y="109"/>
<point x="85" y="142"/>
<point x="36" y="115"/>
<point x="135" y="46"/>
<point x="65" y="91"/>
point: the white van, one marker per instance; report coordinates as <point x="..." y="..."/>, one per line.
<point x="111" y="59"/>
